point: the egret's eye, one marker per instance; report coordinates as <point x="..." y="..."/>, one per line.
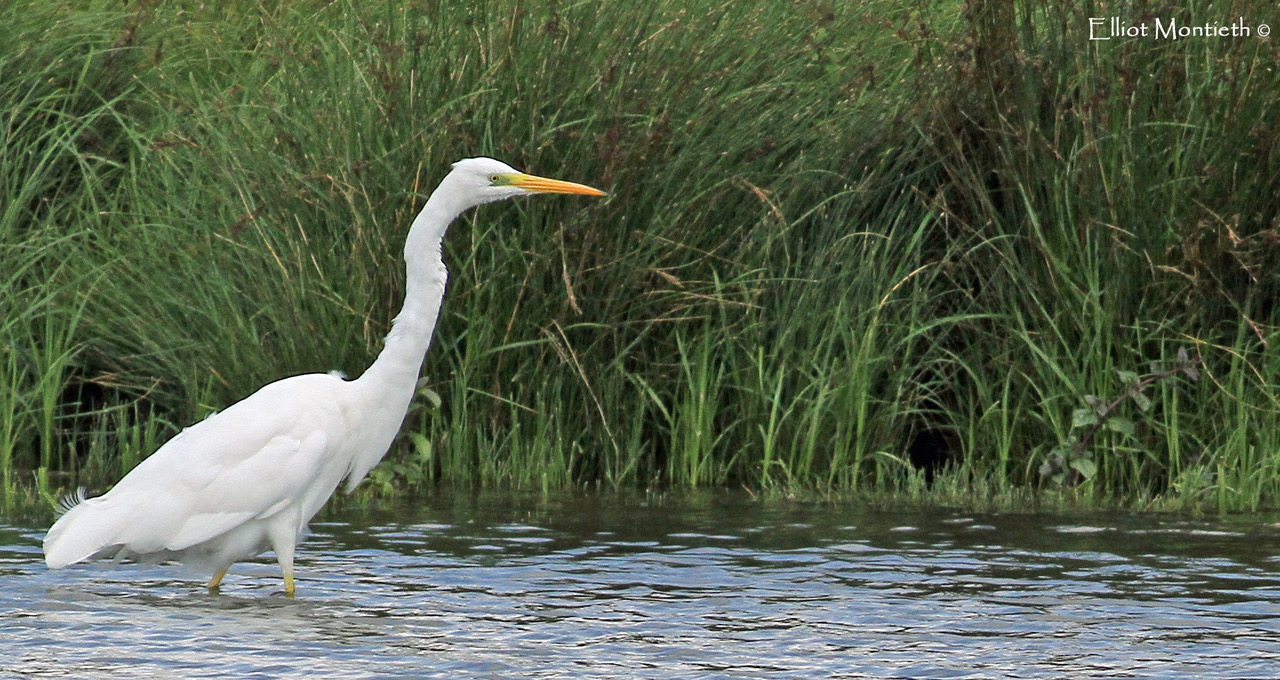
<point x="495" y="179"/>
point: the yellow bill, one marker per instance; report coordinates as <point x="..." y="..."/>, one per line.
<point x="543" y="185"/>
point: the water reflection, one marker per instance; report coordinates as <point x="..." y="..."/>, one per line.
<point x="707" y="586"/>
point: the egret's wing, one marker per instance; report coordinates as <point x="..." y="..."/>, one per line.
<point x="239" y="465"/>
<point x="244" y="463"/>
<point x="256" y="487"/>
<point x="203" y="527"/>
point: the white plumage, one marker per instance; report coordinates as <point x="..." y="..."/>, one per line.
<point x="251" y="477"/>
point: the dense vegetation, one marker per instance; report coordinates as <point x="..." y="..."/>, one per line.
<point x="959" y="253"/>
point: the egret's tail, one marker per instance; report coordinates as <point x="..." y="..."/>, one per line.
<point x="83" y="532"/>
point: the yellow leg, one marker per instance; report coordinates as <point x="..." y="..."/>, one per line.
<point x="283" y="537"/>
<point x="217" y="579"/>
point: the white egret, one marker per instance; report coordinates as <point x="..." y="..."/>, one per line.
<point x="252" y="476"/>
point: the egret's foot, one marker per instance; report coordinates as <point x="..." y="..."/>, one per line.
<point x="217" y="580"/>
<point x="288" y="585"/>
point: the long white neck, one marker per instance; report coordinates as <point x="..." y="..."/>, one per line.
<point x="383" y="393"/>
<point x="394" y="374"/>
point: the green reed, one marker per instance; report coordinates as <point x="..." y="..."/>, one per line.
<point x="834" y="231"/>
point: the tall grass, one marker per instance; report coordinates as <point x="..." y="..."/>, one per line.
<point x="850" y="247"/>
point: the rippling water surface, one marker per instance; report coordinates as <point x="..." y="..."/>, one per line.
<point x="713" y="586"/>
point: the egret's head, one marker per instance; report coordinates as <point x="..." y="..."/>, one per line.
<point x="486" y="180"/>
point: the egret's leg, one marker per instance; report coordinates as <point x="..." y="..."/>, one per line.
<point x="286" y="570"/>
<point x="217" y="579"/>
<point x="282" y="542"/>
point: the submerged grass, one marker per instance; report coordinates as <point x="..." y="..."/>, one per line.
<point x="859" y="248"/>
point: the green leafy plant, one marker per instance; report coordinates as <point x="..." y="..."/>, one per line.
<point x="1071" y="462"/>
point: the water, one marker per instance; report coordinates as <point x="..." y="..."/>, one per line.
<point x="715" y="586"/>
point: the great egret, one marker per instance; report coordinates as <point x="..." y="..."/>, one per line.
<point x="252" y="477"/>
